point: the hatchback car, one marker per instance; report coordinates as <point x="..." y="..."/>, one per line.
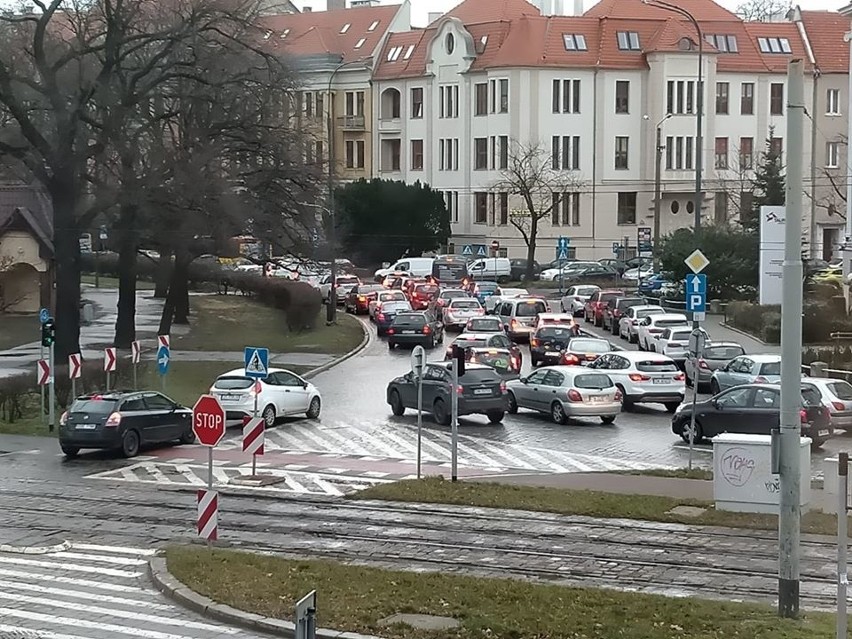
<point x="594" y="306"/>
<point x="652" y="325"/>
<point x="413" y="328"/>
<point x="699" y="368"/>
<point x="501" y="360"/>
<point x="445" y="296"/>
<point x="628" y="325"/>
<point x="520" y="316"/>
<point x="386" y="314"/>
<point x="486" y="340"/>
<point x="644" y="378"/>
<point x="751" y="409"/>
<point x="422" y="296"/>
<point x="585" y="350"/>
<point x="124" y="422"/>
<point x="383" y="297"/>
<point x="548" y="343"/>
<point x="494" y="301"/>
<point x="480" y="391"/>
<point x="746" y="369"/>
<point x="459" y="311"/>
<point x="282" y="393"/>
<point x="484" y="324"/>
<point x="566" y="320"/>
<point x="575" y="298"/>
<point x="674" y="342"/>
<point x="481" y="291"/>
<point x="615" y="309"/>
<point x="566" y="391"/>
<point x="359" y="298"/>
<point x="837" y="397"/>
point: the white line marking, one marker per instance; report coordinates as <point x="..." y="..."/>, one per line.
<point x="119" y="561"/>
<point x="80" y="594"/>
<point x="42" y="634"/>
<point x="354" y="447"/>
<point x="86" y="583"/>
<point x="59" y="565"/>
<point x="144" y="552"/>
<point x="328" y="488"/>
<point x="294" y="485"/>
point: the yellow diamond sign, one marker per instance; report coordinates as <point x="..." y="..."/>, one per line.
<point x="697" y="261"/>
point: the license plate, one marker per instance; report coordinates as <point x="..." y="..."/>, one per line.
<point x="553" y="353"/>
<point x="229" y="398"/>
<point x="86" y="426"/>
<point x="823" y="433"/>
<point x="597" y="400"/>
<point x="409" y="332"/>
<point x="661" y="380"/>
<point x="482" y="391"/>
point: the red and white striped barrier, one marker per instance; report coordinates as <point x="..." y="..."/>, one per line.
<point x="253" y="436"/>
<point x="208" y="515"/>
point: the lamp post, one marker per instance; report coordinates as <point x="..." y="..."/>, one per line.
<point x="658" y="151"/>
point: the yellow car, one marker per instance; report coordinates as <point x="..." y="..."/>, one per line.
<point x="829" y="276"/>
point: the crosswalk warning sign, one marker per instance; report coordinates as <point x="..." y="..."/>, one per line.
<point x="257" y="362"/>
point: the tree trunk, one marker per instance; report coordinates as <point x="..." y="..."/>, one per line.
<point x="182" y="295"/>
<point x="66" y="246"/>
<point x="163" y="274"/>
<point x="125" y="323"/>
<point x="531" y="248"/>
<point x="174" y="299"/>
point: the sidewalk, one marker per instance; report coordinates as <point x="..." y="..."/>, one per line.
<point x="714" y="326"/>
<point x="614" y="483"/>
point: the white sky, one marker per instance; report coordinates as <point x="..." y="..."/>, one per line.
<point x="420" y="8"/>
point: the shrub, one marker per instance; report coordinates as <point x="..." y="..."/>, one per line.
<point x="15" y="392"/>
<point x="820" y="319"/>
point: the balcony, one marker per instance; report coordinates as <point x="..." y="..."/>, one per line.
<point x="390" y="125"/>
<point x="351" y="123"/>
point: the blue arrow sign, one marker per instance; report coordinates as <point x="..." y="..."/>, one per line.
<point x="696" y="293"/>
<point x="256" y="362"/>
<point x="43" y="316"/>
<point x="163" y="358"/>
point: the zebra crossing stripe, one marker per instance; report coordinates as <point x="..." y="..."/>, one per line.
<point x="208" y="514"/>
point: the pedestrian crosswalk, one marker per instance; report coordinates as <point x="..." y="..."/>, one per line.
<point x="92" y="592"/>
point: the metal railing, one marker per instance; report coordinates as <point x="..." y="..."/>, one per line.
<point x="832" y="373"/>
<point x="351" y="122"/>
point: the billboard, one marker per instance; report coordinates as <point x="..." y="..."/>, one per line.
<point x="772" y="223"/>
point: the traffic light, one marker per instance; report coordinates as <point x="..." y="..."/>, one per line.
<point x="48" y="331"/>
<point x="458" y="356"/>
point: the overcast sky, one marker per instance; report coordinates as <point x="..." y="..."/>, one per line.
<point x="421" y="8"/>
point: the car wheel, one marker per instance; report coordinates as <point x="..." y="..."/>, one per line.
<point x="70" y="451"/>
<point x="495" y="416"/>
<point x="431" y="343"/>
<point x="396" y="404"/>
<point x="557" y="413"/>
<point x="188" y="437"/>
<point x="314" y="408"/>
<point x="513" y="403"/>
<point x="608" y="419"/>
<point x="130" y="443"/>
<point x="626" y="404"/>
<point x="439" y="411"/>
<point x="268" y="416"/>
<point x="687" y="427"/>
<point x="391" y="345"/>
<point x="632" y="339"/>
<point x="671" y="407"/>
<point x="714" y="387"/>
<point x="614" y="329"/>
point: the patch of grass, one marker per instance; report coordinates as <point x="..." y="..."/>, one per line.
<point x="674" y="473"/>
<point x="112" y="282"/>
<point x="355" y="598"/>
<point x="587" y="503"/>
<point x="16" y="330"/>
<point x="232" y="322"/>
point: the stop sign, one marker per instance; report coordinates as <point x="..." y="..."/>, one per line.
<point x="208" y="420"/>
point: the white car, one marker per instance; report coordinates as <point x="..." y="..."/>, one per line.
<point x="652" y="325"/>
<point x="460" y="310"/>
<point x="628" y="324"/>
<point x="638" y="273"/>
<point x="674" y="342"/>
<point x="644" y="378"/>
<point x="837" y="397"/>
<point x="575" y="298"/>
<point x="281" y="393"/>
<point x="505" y="294"/>
<point x="552" y="274"/>
<point x="384" y="296"/>
<point x="344" y="285"/>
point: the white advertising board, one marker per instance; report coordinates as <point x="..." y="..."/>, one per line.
<point x="772" y="222"/>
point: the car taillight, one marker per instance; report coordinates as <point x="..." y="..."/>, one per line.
<point x="638" y="377"/>
<point x="618" y="395"/>
<point x="502" y="387"/>
<point x="380" y="316"/>
<point x="680" y="377"/>
<point x="113" y="420"/>
<point x="574" y="396"/>
<point x="760" y="379"/>
<point x="427" y="329"/>
<point x="534" y="342"/>
<point x="460" y="390"/>
<point x="63" y="419"/>
<point x="837" y="406"/>
<point x="514" y="322"/>
<point x="803" y="416"/>
<point x="569" y="358"/>
<point x="390" y="331"/>
<point x="516" y="365"/>
<point x="703" y="364"/>
<point x="361" y="298"/>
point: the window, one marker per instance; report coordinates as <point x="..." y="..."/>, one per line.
<point x="480" y="104"/>
<point x="308" y="103"/>
<point x="360" y="43"/>
<point x="417" y="155"/>
<point x="565" y="209"/>
<point x="776" y="146"/>
<point x="746" y="154"/>
<point x="747" y="98"/>
<point x="451" y="200"/>
<point x="566" y="96"/>
<point x="723" y="43"/>
<point x="394" y="53"/>
<point x="574" y="42"/>
<point x="391" y="155"/>
<point x="503" y="205"/>
<point x="627" y="207"/>
<point x="318" y="152"/>
<point x="746" y="206"/>
<point x="832" y="102"/>
<point x="774" y="45"/>
<point x="776" y="98"/>
<point x="345" y="28"/>
<point x="722" y="98"/>
<point x="680" y="96"/>
<point x="721" y="153"/>
<point x="679" y="154"/>
<point x="373" y="26"/>
<point x="448" y="152"/>
<point x="832" y="150"/>
<point x="622" y="146"/>
<point x="449" y="96"/>
<point x="354" y="103"/>
<point x="408" y="52"/>
<point x="627" y="40"/>
<point x="354" y="154"/>
<point x="721" y="208"/>
<point x="565" y="152"/>
<point x="480" y="154"/>
<point x="450" y="43"/>
<point x="417" y="103"/>
<point x="622" y="96"/>
<point x="503" y="153"/>
<point x="480" y="207"/>
<point x="499" y="96"/>
<point x="320" y="104"/>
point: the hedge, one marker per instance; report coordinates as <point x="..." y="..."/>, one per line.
<point x="820" y="319"/>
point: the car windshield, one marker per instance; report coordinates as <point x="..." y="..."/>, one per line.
<point x="347" y="279"/>
<point x="233" y="383"/>
<point x="395" y="307"/>
<point x="426" y="289"/>
<point x="409" y="319"/>
<point x="468" y="342"/>
<point x="680" y="336"/>
<point x="478" y="375"/>
<point x="723" y="353"/>
<point x="770" y="368"/>
<point x="592" y="380"/>
<point x="486" y="287"/>
<point x="672" y="322"/>
<point x="529" y="309"/>
<point x="370" y="289"/>
<point x="841" y="389"/>
<point x="656" y="366"/>
<point x="448" y="295"/>
<point x="811" y="396"/>
<point x="586" y="290"/>
<point x="94" y="406"/>
<point x="484" y="324"/>
<point x="590" y="345"/>
<point x="557" y="320"/>
<point x="649" y="311"/>
<point x="399" y="295"/>
<point x="553" y="332"/>
<point x="499" y="360"/>
<point x="465" y="304"/>
<point x="630" y="301"/>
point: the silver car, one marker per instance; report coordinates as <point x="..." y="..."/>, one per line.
<point x="566" y="391"/>
<point x="837" y="397"/>
<point x="746" y="369"/>
<point x="575" y="298"/>
<point x="628" y="324"/>
<point x="714" y="356"/>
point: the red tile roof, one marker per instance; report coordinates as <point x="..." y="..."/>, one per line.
<point x="636" y="10"/>
<point x="825" y="31"/>
<point x="472" y="11"/>
<point x="669" y="36"/>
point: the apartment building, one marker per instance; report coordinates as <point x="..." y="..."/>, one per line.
<point x="456" y="100"/>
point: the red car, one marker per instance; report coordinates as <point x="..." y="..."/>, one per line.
<point x="594" y="307"/>
<point x="359" y="298"/>
<point x="422" y="296"/>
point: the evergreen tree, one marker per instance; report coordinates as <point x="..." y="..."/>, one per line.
<point x="769" y="183"/>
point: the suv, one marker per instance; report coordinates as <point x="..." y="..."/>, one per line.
<point x="644" y="377"/>
<point x="415" y="328"/>
<point x="594" y="306"/>
<point x="615" y="309"/>
<point x="520" y="315"/>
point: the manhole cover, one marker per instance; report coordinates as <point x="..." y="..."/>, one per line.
<point x="21" y="634"/>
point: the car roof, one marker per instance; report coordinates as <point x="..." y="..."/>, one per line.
<point x="555" y="316"/>
<point x="479" y="318"/>
<point x="572" y="370"/>
<point x="241" y="372"/>
<point x="646" y="307"/>
<point x="467" y="367"/>
<point x="474" y="336"/>
<point x="489" y="349"/>
<point x="638" y="356"/>
<point x="669" y="316"/>
<point x="722" y="343"/>
<point x="765" y="357"/>
<point x="464" y="299"/>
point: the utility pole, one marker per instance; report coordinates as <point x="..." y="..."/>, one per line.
<point x="847" y="241"/>
<point x="789" y="519"/>
<point x="658" y="195"/>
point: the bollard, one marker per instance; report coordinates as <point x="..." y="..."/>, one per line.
<point x="819" y="369"/>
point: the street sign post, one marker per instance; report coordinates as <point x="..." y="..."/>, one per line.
<point x="254" y="435"/>
<point x="458" y="371"/>
<point x="643" y="239"/>
<point x="110" y="363"/>
<point x="418" y="359"/>
<point x="208" y="515"/>
<point x="43" y="318"/>
<point x="135" y="356"/>
<point x="562" y="255"/>
<point x="43" y="372"/>
<point x="696" y="295"/>
<point x="75" y="371"/>
<point x="208" y="424"/>
<point x="305" y="618"/>
<point x="256" y="368"/>
<point x="696" y="301"/>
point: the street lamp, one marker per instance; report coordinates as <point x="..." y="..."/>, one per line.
<point x="699" y="103"/>
<point x="658" y="150"/>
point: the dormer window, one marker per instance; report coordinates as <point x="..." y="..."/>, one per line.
<point x="408" y="52"/>
<point x="393" y="54"/>
<point x="345" y="28"/>
<point x="574" y="42"/>
<point x="267" y="35"/>
<point x="723" y="43"/>
<point x="284" y="33"/>
<point x="373" y="26"/>
<point x="774" y="45"/>
<point x="685" y="44"/>
<point x="360" y="43"/>
<point x="483" y="41"/>
<point x="628" y="40"/>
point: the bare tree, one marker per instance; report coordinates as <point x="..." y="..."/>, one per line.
<point x="531" y="175"/>
<point x="764" y="10"/>
<point x="7" y="263"/>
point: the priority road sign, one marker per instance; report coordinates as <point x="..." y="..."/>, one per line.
<point x="208" y="514"/>
<point x="43" y="372"/>
<point x="253" y="436"/>
<point x="110" y="359"/>
<point x="256" y="362"/>
<point x="135" y="352"/>
<point x="697" y="261"/>
<point x="43" y="316"/>
<point x="208" y="420"/>
<point x="696" y="293"/>
<point x="75" y="366"/>
<point x="164" y="356"/>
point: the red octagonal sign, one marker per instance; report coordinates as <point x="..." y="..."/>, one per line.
<point x="208" y="420"/>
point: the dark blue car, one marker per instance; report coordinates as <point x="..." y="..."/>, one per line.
<point x="385" y="315"/>
<point x="652" y="283"/>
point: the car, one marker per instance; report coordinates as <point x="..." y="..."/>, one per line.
<point x="484" y="324"/>
<point x="636" y="273"/>
<point x="615" y="308"/>
<point x="584" y="350"/>
<point x="548" y="343"/>
<point x="415" y="327"/>
<point x="481" y="291"/>
<point x="411" y="283"/>
<point x="358" y="300"/>
<point x="395" y="280"/>
<point x="386" y="314"/>
<point x="593" y="308"/>
<point x="837" y="397"/>
<point x="618" y="265"/>
<point x="566" y="270"/>
<point x="282" y="393"/>
<point x="564" y="392"/>
<point x="460" y="310"/>
<point x="486" y="340"/>
<point x="444" y="297"/>
<point x="652" y="325"/>
<point x="644" y="378"/>
<point x="655" y="283"/>
<point x="557" y="319"/>
<point x="518" y="272"/>
<point x="674" y="342"/>
<point x="382" y="297"/>
<point x="699" y="367"/>
<point x="492" y="302"/>
<point x="591" y="273"/>
<point x="480" y="391"/>
<point x="344" y="284"/>
<point x="422" y="295"/>
<point x="575" y="297"/>
<point x="500" y="359"/>
<point x="520" y="315"/>
<point x="746" y="369"/>
<point x="490" y="268"/>
<point x="417" y="266"/>
<point x="628" y="325"/>
<point x="753" y="409"/>
<point x="123" y="421"/>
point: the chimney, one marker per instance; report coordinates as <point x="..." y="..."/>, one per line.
<point x="331" y="5"/>
<point x="578" y="7"/>
<point x="434" y="16"/>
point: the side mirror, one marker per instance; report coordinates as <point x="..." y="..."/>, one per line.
<point x="385" y="264"/>
<point x="523" y="380"/>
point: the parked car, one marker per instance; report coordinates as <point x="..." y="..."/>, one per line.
<point x="416" y="266"/>
<point x="520" y="315"/>
<point x="593" y="308"/>
<point x="628" y="325"/>
<point x="615" y="308"/>
<point x="383" y="297"/>
<point x="574" y="300"/>
<point x="746" y="369"/>
<point x="584" y="350"/>
<point x="674" y="342"/>
<point x="359" y="298"/>
<point x="343" y="286"/>
<point x="459" y="311"/>
<point x="413" y="328"/>
<point x="486" y="340"/>
<point x="518" y="270"/>
<point x="652" y="325"/>
<point x="124" y="422"/>
<point x="566" y="269"/>
<point x="386" y="314"/>
<point x="637" y="273"/>
<point x="492" y="302"/>
<point x="481" y="291"/>
<point x="500" y="359"/>
<point x="480" y="391"/>
<point x="282" y="393"/>
<point x="548" y="343"/>
<point x="837" y="397"/>
<point x="653" y="284"/>
<point x="592" y="273"/>
<point x="753" y="409"/>
<point x="565" y="392"/>
<point x="490" y="268"/>
<point x="484" y="324"/>
<point x="422" y="296"/>
<point x="643" y="377"/>
<point x="395" y="280"/>
<point x="618" y="265"/>
<point x="699" y="368"/>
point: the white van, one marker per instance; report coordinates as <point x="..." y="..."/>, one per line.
<point x="415" y="266"/>
<point x="490" y="268"/>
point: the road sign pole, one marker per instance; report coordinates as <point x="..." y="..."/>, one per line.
<point x="454" y="402"/>
<point x="135" y="378"/>
<point x="842" y="541"/>
<point x="107" y="381"/>
<point x="254" y="455"/>
<point x="41" y="392"/>
<point x="209" y="468"/>
<point x="73" y="390"/>
<point x="51" y="395"/>
<point x="419" y="421"/>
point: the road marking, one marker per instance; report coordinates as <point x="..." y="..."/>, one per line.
<point x="121" y="561"/>
<point x="355" y="447"/>
<point x="79" y="594"/>
<point x="40" y="634"/>
<point x="115" y="549"/>
<point x="85" y="583"/>
<point x="96" y="570"/>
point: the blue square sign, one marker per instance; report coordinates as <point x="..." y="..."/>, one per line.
<point x="256" y="362"/>
<point x="696" y="293"/>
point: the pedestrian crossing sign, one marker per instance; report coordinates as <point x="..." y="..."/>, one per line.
<point x="256" y="362"/>
<point x="467" y="250"/>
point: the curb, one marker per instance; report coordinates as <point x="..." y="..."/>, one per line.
<point x="175" y="590"/>
<point x="744" y="334"/>
<point x="355" y="351"/>
<point x="35" y="550"/>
